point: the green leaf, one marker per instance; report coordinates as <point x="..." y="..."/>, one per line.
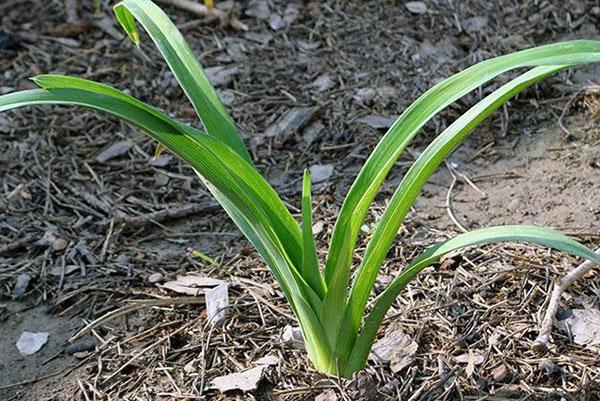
<point x="371" y="176"/>
<point x="409" y="189"/>
<point x="128" y="23"/>
<point x="310" y="263"/>
<point x="528" y="234"/>
<point x="245" y="195"/>
<point x="185" y="67"/>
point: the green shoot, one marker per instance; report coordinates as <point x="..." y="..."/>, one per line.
<point x="330" y="307"/>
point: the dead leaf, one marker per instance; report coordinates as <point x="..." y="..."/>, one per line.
<point x="115" y="150"/>
<point x="29" y="343"/>
<point x="416" y="7"/>
<point x="322" y="83"/>
<point x="160" y="161"/>
<point x="191" y="284"/>
<point x="327" y="395"/>
<point x="290" y="122"/>
<point x="501" y="373"/>
<point x="308" y="46"/>
<point x="217" y="303"/>
<point x="51" y="240"/>
<point x="292" y="335"/>
<point x="396" y="348"/>
<point x="317" y="228"/>
<point x="377" y="122"/>
<point x="320" y="172"/>
<point x="364" y="95"/>
<point x="245" y="381"/>
<point x="156" y="278"/>
<point x="258" y="9"/>
<point x="311" y="133"/>
<point x="472" y="359"/>
<point x="470" y="364"/>
<point x="267" y="360"/>
<point x="221" y="75"/>
<point x="259" y="37"/>
<point x="227" y="97"/>
<point x="291" y="13"/>
<point x="58" y="270"/>
<point x="584" y="324"/>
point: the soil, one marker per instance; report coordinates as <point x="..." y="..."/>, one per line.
<point x="536" y="162"/>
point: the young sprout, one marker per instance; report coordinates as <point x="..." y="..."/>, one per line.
<point x="330" y="307"/>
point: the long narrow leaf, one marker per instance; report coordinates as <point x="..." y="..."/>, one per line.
<point x="185" y="67"/>
<point x="242" y="191"/>
<point x="528" y="234"/>
<point x="409" y="189"/>
<point x="310" y="262"/>
<point x="367" y="183"/>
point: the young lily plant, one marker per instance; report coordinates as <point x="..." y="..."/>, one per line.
<point x="329" y="301"/>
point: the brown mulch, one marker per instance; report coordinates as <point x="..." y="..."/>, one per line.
<point x="110" y="231"/>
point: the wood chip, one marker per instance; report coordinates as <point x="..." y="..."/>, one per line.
<point x="376" y="121"/>
<point x="244" y="381"/>
<point x="115" y="150"/>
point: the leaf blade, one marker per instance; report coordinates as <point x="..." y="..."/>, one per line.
<point x="513" y="233"/>
<point x="185" y="66"/>
<point x="371" y="176"/>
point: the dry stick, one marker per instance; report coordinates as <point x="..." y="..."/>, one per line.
<point x="542" y="342"/>
<point x="139" y="304"/>
<point x="449" y="201"/>
<point x="165" y="214"/>
<point x="22" y="242"/>
<point x="201" y="10"/>
<point x="142" y="352"/>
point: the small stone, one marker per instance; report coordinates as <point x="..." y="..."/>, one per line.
<point x="21" y="285"/>
<point x="29" y="343"/>
<point x="156" y="278"/>
<point x="416" y="7"/>
<point x="60" y="244"/>
<point x="276" y="22"/>
<point x="81" y="355"/>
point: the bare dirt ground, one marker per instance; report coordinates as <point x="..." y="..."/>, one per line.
<point x="343" y="61"/>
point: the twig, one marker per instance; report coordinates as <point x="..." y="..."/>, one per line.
<point x="566" y="109"/>
<point x="166" y="214"/>
<point x="201" y="10"/>
<point x="139" y="304"/>
<point x="449" y="201"/>
<point x="542" y="342"/>
<point x="26" y="240"/>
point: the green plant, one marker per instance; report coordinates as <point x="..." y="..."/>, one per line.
<point x="330" y="306"/>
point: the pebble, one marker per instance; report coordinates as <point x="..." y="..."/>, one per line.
<point x="156" y="278"/>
